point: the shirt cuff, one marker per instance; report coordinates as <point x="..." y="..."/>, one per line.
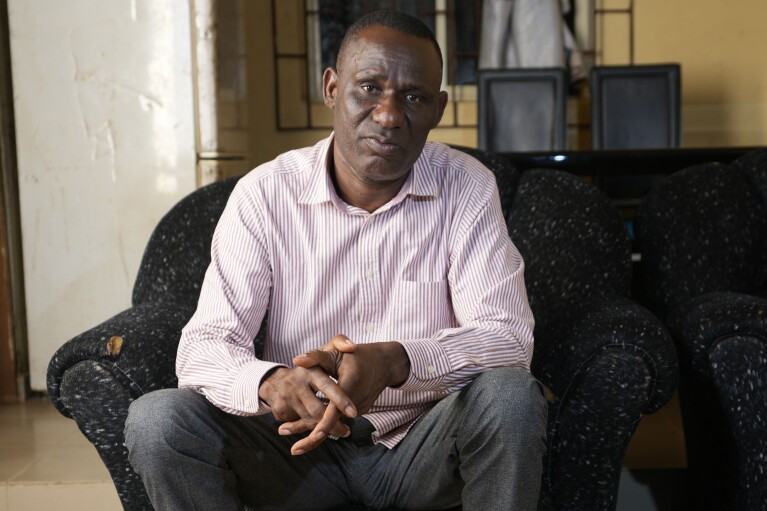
<point x="429" y="364"/>
<point x="246" y="384"/>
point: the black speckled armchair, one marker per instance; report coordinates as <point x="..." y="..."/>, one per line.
<point x="703" y="237"/>
<point x="606" y="360"/>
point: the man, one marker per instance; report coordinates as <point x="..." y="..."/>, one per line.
<point x="424" y="400"/>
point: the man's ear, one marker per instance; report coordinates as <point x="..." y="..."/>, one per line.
<point x="442" y="103"/>
<point x="329" y="87"/>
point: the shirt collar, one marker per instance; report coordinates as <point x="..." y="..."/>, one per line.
<point x="319" y="186"/>
<point x="424" y="176"/>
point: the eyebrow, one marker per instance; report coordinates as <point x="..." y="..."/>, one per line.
<point x="369" y="74"/>
<point x="365" y="75"/>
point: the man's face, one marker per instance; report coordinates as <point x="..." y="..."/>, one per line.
<point x="386" y="98"/>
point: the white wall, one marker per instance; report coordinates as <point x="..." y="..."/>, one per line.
<point x="104" y="110"/>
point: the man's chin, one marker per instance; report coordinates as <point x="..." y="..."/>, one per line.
<point x="392" y="166"/>
<point x="383" y="171"/>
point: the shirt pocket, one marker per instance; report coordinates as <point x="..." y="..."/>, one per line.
<point x="419" y="309"/>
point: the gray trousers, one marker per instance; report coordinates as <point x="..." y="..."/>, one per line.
<point x="481" y="447"/>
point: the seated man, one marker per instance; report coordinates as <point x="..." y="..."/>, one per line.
<point x="425" y="399"/>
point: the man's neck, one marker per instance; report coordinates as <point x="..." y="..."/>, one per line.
<point x="367" y="196"/>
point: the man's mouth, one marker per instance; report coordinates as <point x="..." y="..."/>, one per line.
<point x="382" y="146"/>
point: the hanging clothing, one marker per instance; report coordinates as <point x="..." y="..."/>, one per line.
<point x="521" y="33"/>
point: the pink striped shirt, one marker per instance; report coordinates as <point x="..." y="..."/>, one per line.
<point x="433" y="269"/>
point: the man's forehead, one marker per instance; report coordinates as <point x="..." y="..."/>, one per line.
<point x="389" y="42"/>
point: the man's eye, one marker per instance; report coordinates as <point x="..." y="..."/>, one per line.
<point x="412" y="98"/>
<point x="368" y="88"/>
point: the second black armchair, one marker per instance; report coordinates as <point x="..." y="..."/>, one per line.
<point x="703" y="237"/>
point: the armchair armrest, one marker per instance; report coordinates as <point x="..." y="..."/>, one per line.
<point x="610" y="324"/>
<point x="739" y="366"/>
<point x="722" y="343"/>
<point x="93" y="381"/>
<point x="698" y="324"/>
<point x="141" y="360"/>
<point x="606" y="370"/>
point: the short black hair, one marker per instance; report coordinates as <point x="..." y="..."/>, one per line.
<point x="394" y="20"/>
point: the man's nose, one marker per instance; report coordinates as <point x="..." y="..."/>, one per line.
<point x="389" y="111"/>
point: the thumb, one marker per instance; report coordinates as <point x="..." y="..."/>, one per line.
<point x="325" y="360"/>
<point x="341" y="343"/>
<point x="327" y="357"/>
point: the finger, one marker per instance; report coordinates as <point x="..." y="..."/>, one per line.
<point x="320" y="357"/>
<point x="284" y="409"/>
<point x="331" y="424"/>
<point x="317" y="358"/>
<point x="301" y="404"/>
<point x="293" y="427"/>
<point x="311" y="408"/>
<point x="305" y="409"/>
<point x="323" y="383"/>
<point x="320" y="433"/>
<point x="338" y="428"/>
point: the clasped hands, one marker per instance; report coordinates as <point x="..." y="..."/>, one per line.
<point x="361" y="372"/>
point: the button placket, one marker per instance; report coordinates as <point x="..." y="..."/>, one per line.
<point x="368" y="284"/>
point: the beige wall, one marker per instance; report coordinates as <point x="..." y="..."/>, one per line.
<point x="720" y="46"/>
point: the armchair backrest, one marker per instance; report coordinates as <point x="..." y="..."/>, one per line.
<point x="575" y="247"/>
<point x="702" y="230"/>
<point x="506" y="175"/>
<point x="753" y="167"/>
<point x="571" y="238"/>
<point x="178" y="251"/>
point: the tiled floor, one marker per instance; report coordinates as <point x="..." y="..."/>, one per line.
<point x="46" y="463"/>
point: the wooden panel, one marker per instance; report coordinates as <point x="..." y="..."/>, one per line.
<point x="291" y="77"/>
<point x="11" y="346"/>
<point x="8" y="391"/>
<point x="290" y="21"/>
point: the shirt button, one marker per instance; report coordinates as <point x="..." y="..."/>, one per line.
<point x="247" y="403"/>
<point x="369" y="274"/>
<point x="431" y="369"/>
<point x="370" y="327"/>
